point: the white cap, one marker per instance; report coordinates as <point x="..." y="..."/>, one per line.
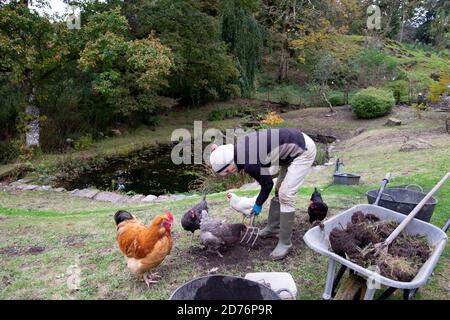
<point x="222" y="157"/>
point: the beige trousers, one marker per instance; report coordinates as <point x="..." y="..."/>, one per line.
<point x="291" y="177"/>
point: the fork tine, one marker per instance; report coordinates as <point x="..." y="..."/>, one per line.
<point x="256" y="237"/>
<point x="251" y="235"/>
<point x="245" y="234"/>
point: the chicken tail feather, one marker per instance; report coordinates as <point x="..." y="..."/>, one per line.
<point x="121" y="216"/>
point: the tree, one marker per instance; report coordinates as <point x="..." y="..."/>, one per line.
<point x="283" y="18"/>
<point x="204" y="70"/>
<point x="244" y="35"/>
<point x="128" y="73"/>
<point x="31" y="49"/>
<point x="434" y="21"/>
<point x="323" y="72"/>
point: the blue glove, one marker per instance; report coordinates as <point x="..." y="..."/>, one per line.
<point x="256" y="210"/>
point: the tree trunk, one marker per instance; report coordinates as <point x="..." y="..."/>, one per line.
<point x="284" y="62"/>
<point x="328" y="102"/>
<point x="32" y="111"/>
<point x="402" y="28"/>
<point x="133" y="19"/>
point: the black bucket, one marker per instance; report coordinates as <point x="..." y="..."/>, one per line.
<point x="220" y="287"/>
<point x="404" y="201"/>
<point x="346" y="178"/>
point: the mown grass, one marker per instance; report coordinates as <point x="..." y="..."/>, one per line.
<point x="87" y="240"/>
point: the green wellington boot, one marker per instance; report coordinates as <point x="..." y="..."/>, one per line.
<point x="273" y="222"/>
<point x="284" y="239"/>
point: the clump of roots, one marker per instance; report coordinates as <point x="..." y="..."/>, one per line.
<point x="356" y="243"/>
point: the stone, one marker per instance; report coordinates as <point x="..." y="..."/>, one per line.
<point x="149" y="198"/>
<point x="415" y="144"/>
<point x="176" y="197"/>
<point x="74" y="191"/>
<point x="59" y="190"/>
<point x="44" y="188"/>
<point x="359" y="131"/>
<point x="25" y="180"/>
<point x="136" y="198"/>
<point x="27" y="187"/>
<point x="110" y="197"/>
<point x="15" y="184"/>
<point x="392" y="122"/>
<point x="116" y="132"/>
<point x="86" y="193"/>
<point x="162" y="198"/>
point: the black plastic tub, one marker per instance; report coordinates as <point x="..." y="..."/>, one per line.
<point x="220" y="287"/>
<point x="349" y="179"/>
<point x="404" y="201"/>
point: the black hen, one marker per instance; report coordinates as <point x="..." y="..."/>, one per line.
<point x="191" y="219"/>
<point x="317" y="209"/>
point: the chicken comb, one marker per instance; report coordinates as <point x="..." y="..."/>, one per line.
<point x="169" y="215"/>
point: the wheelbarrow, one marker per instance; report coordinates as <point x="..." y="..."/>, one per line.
<point x="317" y="239"/>
<point x="404" y="200"/>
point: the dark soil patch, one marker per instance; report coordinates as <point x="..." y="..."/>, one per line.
<point x="35" y="250"/>
<point x="114" y="296"/>
<point x="6" y="280"/>
<point x="75" y="240"/>
<point x="18" y="251"/>
<point x="10" y="251"/>
<point x="244" y="257"/>
<point x="356" y="242"/>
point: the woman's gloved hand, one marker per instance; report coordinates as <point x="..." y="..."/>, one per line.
<point x="256" y="210"/>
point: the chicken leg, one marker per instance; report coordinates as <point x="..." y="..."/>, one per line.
<point x="149" y="278"/>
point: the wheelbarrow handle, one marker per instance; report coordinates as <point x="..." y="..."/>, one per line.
<point x="385" y="181"/>
<point x="446" y="226"/>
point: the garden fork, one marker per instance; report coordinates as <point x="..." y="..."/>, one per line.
<point x="251" y="232"/>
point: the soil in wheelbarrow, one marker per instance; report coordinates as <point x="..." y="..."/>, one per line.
<point x="356" y="242"/>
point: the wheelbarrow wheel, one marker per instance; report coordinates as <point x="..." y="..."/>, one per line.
<point x="352" y="288"/>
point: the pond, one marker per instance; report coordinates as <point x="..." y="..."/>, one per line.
<point x="146" y="172"/>
<point x="151" y="171"/>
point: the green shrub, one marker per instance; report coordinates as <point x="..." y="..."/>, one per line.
<point x="285" y="96"/>
<point x="374" y="66"/>
<point x="399" y="89"/>
<point x="437" y="89"/>
<point x="83" y="143"/>
<point x="337" y="99"/>
<point x="372" y="103"/>
<point x="9" y="151"/>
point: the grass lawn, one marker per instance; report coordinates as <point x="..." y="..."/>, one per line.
<point x="43" y="234"/>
